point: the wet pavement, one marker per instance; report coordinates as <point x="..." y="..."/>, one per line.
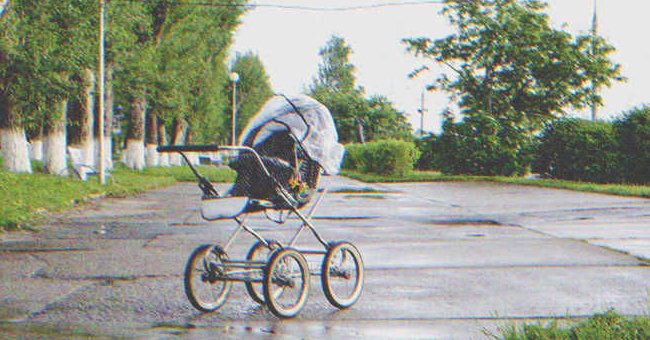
<point x="443" y="260"/>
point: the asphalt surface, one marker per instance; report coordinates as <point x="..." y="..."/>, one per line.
<point x="443" y="260"/>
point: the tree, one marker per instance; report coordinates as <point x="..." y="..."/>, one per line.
<point x="43" y="45"/>
<point x="335" y="73"/>
<point x="126" y="21"/>
<point x="507" y="63"/>
<point x="346" y="109"/>
<point x="13" y="141"/>
<point x="356" y="118"/>
<point x="191" y="47"/>
<point x="384" y="121"/>
<point x="253" y="89"/>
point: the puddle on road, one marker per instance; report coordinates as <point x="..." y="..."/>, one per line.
<point x="366" y="196"/>
<point x="361" y="190"/>
<point x="468" y="222"/>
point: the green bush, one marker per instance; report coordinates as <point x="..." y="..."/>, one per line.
<point x="481" y="146"/>
<point x="428" y="148"/>
<point x="578" y="150"/>
<point x="386" y="157"/>
<point x="633" y="132"/>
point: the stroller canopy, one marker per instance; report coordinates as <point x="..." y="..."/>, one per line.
<point x="309" y="121"/>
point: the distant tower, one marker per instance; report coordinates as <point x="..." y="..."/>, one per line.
<point x="594" y="33"/>
<point x="422" y="110"/>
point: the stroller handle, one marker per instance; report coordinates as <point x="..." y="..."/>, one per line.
<point x="204" y="184"/>
<point x="188" y="148"/>
<point x="211" y="148"/>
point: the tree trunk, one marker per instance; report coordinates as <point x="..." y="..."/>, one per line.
<point x="88" y="119"/>
<point x="109" y="101"/>
<point x="152" y="157"/>
<point x="162" y="140"/>
<point x="13" y="141"/>
<point x="36" y="143"/>
<point x="360" y="135"/>
<point x="180" y="128"/>
<point x="134" y="153"/>
<point x="54" y="142"/>
<point x="193" y="157"/>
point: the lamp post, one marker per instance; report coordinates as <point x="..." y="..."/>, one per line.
<point x="102" y="76"/>
<point x="234" y="78"/>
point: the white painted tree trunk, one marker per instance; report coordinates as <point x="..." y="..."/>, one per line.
<point x="54" y="144"/>
<point x="179" y="139"/>
<point x="15" y="154"/>
<point x="36" y="150"/>
<point x="163" y="159"/>
<point x="134" y="154"/>
<point x="175" y="159"/>
<point x="108" y="122"/>
<point x="152" y="156"/>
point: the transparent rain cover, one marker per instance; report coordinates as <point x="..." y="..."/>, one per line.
<point x="316" y="132"/>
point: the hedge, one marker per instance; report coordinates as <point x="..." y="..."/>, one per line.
<point x="633" y="131"/>
<point x="480" y="146"/>
<point x="385" y="157"/>
<point x="579" y="150"/>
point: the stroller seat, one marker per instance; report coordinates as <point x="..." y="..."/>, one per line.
<point x="290" y="142"/>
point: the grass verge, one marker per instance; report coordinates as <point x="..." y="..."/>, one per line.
<point x="24" y="197"/>
<point x="608" y="325"/>
<point x="431" y="176"/>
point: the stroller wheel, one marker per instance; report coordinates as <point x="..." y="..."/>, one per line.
<point x="259" y="252"/>
<point x="342" y="274"/>
<point x="205" y="283"/>
<point x="286" y="282"/>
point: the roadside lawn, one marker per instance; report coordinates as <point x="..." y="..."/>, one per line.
<point x="432" y="176"/>
<point x="607" y="325"/>
<point x="24" y="197"/>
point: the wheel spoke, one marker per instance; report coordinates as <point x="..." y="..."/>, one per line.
<point x="342" y="275"/>
<point x="259" y="252"/>
<point x="286" y="283"/>
<point x="205" y="285"/>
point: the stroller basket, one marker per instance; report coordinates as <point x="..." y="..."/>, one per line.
<point x="261" y="183"/>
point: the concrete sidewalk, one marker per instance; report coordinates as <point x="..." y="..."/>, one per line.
<point x="444" y="260"/>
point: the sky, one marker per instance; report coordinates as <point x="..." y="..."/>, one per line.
<point x="288" y="42"/>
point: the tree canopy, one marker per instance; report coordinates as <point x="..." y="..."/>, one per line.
<point x="253" y="89"/>
<point x="166" y="59"/>
<point x="507" y="62"/>
<point x="357" y="118"/>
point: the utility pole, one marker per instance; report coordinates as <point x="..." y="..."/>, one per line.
<point x="102" y="76"/>
<point x="594" y="33"/>
<point x="422" y="110"/>
<point x="234" y="78"/>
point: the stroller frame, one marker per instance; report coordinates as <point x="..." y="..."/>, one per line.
<point x="282" y="271"/>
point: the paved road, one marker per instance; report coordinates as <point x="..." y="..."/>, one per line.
<point x="444" y="260"/>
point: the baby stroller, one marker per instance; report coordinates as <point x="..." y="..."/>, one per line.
<point x="283" y="152"/>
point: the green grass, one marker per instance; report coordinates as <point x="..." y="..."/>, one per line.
<point x="432" y="176"/>
<point x="23" y="197"/>
<point x="184" y="174"/>
<point x="608" y="325"/>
